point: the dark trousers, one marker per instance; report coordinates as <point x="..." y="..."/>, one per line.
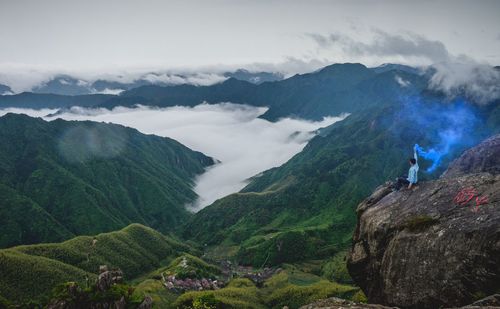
<point x="400" y="182"/>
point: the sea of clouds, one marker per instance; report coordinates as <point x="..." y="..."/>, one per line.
<point x="244" y="144"/>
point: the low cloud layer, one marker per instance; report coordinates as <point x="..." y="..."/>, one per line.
<point x="26" y="78"/>
<point x="233" y="134"/>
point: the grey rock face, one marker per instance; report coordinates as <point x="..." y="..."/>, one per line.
<point x="338" y="303"/>
<point x="435" y="246"/>
<point x="483" y="158"/>
<point x="490" y="302"/>
<point x="108" y="278"/>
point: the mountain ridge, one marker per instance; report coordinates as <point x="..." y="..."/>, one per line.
<point x="330" y="91"/>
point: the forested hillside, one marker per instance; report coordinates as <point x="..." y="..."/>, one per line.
<point x="31" y="272"/>
<point x="61" y="178"/>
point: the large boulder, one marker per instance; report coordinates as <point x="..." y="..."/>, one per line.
<point x="437" y="245"/>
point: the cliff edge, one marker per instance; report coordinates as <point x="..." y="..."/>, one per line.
<point x="435" y="246"/>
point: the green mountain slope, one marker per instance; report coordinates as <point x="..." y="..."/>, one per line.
<point x="77" y="178"/>
<point x="305" y="208"/>
<point x="29" y="272"/>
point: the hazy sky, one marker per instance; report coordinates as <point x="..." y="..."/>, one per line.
<point x="101" y="34"/>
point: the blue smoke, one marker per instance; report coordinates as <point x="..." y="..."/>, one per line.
<point x="432" y="155"/>
<point x="443" y="128"/>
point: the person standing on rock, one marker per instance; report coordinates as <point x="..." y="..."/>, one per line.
<point x="412" y="178"/>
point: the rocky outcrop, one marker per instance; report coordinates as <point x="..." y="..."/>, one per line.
<point x="483" y="158"/>
<point x="107" y="278"/>
<point x="339" y="303"/>
<point x="437" y="245"/>
<point x="72" y="296"/>
<point x="190" y="284"/>
<point x="492" y="301"/>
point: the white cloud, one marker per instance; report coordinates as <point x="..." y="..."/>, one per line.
<point x="199" y="79"/>
<point x="205" y="79"/>
<point x="24" y="77"/>
<point x="231" y="133"/>
<point x="31" y="112"/>
<point x="110" y="91"/>
<point x="82" y="83"/>
<point x="403" y="83"/>
<point x="464" y="76"/>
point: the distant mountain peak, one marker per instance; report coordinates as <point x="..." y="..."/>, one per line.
<point x="395" y="67"/>
<point x="255" y="77"/>
<point x="348" y="66"/>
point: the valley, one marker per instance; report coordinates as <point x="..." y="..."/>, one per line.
<point x="86" y="186"/>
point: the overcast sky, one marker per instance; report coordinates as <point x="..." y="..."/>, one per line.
<point x="100" y="35"/>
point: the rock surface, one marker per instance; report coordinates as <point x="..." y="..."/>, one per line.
<point x="107" y="278"/>
<point x="437" y="245"/>
<point x="338" y="303"/>
<point x="483" y="158"/>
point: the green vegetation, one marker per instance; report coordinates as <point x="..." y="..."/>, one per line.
<point x="30" y="278"/>
<point x="243" y="296"/>
<point x="359" y="297"/>
<point x="62" y="178"/>
<point x="162" y="297"/>
<point x="294" y="288"/>
<point x="185" y="266"/>
<point x="73" y="294"/>
<point x="309" y="202"/>
<point x="296" y="296"/>
<point x="290" y="288"/>
<point x="31" y="271"/>
<point x="188" y="266"/>
<point x="287" y="246"/>
<point x="335" y="269"/>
